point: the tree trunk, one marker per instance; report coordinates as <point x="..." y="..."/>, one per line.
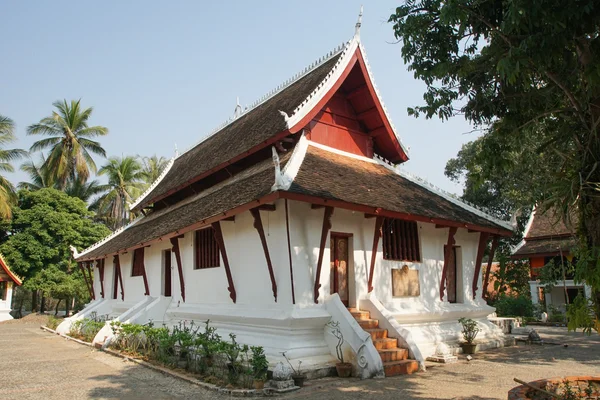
<point x="43" y="304"/>
<point x="34" y="301"/>
<point x="590" y="217"/>
<point x="56" y="309"/>
<point x="67" y="308"/>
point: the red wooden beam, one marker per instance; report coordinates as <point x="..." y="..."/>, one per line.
<point x="324" y="231"/>
<point x="357" y="92"/>
<point x="483" y="240"/>
<point x="447" y="256"/>
<point x="91" y="275"/>
<point x="101" y="275"/>
<point x="376" y="236"/>
<point x="287" y="226"/>
<point x="267" y="207"/>
<point x="219" y="238"/>
<point x="119" y="276"/>
<point x="316" y="206"/>
<point x="484" y="292"/>
<point x="263" y="240"/>
<point x="175" y="248"/>
<point x="367" y="113"/>
<point x="231" y="218"/>
<point x="146" y="287"/>
<point x="85" y="278"/>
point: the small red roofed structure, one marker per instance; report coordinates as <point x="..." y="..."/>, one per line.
<point x="7" y="281"/>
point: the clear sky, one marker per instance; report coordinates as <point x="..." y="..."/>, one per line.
<point x="168" y="72"/>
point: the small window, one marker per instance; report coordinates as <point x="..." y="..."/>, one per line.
<point x="400" y="240"/>
<point x="138" y="262"/>
<point x="207" y="249"/>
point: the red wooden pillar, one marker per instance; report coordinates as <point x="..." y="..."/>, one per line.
<point x="263" y="240"/>
<point x="91" y="275"/>
<point x="376" y="236"/>
<point x="146" y="286"/>
<point x="101" y="275"/>
<point x="287" y="226"/>
<point x="483" y="239"/>
<point x="119" y="276"/>
<point x="484" y="292"/>
<point x="219" y="238"/>
<point x="175" y="244"/>
<point x="324" y="232"/>
<point x="85" y="278"/>
<point x="447" y="256"/>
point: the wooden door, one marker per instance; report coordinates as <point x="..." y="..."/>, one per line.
<point x="339" y="267"/>
<point x="451" y="276"/>
<point x="167" y="273"/>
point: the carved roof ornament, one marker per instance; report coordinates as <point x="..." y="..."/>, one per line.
<point x="359" y="22"/>
<point x="238" y="108"/>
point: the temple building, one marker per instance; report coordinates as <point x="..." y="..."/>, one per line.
<point x="294" y="213"/>
<point x="547" y="238"/>
<point x="8" y="280"/>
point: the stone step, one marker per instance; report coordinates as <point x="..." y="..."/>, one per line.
<point x="361" y="314"/>
<point x="397" y="354"/>
<point x="377" y="333"/>
<point x="368" y="323"/>
<point x="404" y="367"/>
<point x="385" y="343"/>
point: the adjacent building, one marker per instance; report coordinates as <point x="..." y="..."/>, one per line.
<point x="547" y="238"/>
<point x="8" y="280"/>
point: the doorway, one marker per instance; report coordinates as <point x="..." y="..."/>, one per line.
<point x="338" y="273"/>
<point x="167" y="273"/>
<point x="451" y="276"/>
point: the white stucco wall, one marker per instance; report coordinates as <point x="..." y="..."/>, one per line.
<point x="5" y="305"/>
<point x="281" y="326"/>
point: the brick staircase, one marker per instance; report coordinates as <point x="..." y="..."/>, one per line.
<point x="395" y="359"/>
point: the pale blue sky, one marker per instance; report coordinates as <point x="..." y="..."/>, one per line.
<point x="160" y="73"/>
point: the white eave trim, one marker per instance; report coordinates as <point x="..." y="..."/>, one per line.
<point x="142" y="197"/>
<point x="108" y="238"/>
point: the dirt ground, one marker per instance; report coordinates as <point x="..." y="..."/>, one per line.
<point x="36" y="364"/>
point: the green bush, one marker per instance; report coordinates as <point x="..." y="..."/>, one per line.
<point x="53" y="322"/>
<point x="86" y="329"/>
<point x="508" y="306"/>
<point x="197" y="350"/>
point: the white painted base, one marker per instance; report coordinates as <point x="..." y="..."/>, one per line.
<point x="5" y="315"/>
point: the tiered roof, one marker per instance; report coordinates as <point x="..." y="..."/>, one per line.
<point x="546" y="233"/>
<point x="310" y="171"/>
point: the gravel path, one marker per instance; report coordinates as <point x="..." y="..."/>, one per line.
<point x="36" y="364"/>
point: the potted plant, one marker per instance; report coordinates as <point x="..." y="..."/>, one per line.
<point x="469" y="333"/>
<point x="344" y="369"/>
<point x="298" y="376"/>
<point x="259" y="366"/>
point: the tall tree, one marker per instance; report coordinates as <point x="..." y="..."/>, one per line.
<point x="85" y="190"/>
<point x="125" y="183"/>
<point x="69" y="143"/>
<point x="7" y="156"/>
<point x="152" y="168"/>
<point x="45" y="223"/>
<point x="527" y="71"/>
<point x="38" y="176"/>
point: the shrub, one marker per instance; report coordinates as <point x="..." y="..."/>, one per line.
<point x="555" y="315"/>
<point x="470" y="329"/>
<point x="508" y="306"/>
<point x="53" y="322"/>
<point x="86" y="329"/>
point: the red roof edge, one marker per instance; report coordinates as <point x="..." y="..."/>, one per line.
<point x="11" y="274"/>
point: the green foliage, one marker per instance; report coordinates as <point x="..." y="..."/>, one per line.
<point x="53" y="322"/>
<point x="555" y="315"/>
<point x="526" y="74"/>
<point x="201" y="351"/>
<point x="70" y="142"/>
<point x="86" y="328"/>
<point x="45" y="223"/>
<point x="580" y="314"/>
<point x="470" y="329"/>
<point x="7" y="156"/>
<point x="518" y="306"/>
<point x="259" y="363"/>
<point x="511" y="277"/>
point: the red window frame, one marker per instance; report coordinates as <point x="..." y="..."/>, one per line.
<point x="401" y="240"/>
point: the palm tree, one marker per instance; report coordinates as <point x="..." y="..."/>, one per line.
<point x="125" y="183"/>
<point x="38" y="175"/>
<point x="85" y="190"/>
<point x="69" y="142"/>
<point x="152" y="168"/>
<point x="7" y="190"/>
